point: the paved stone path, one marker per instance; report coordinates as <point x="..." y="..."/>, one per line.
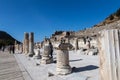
<point x="9" y="69"/>
<point x="21" y="67"/>
<point x="86" y="67"/>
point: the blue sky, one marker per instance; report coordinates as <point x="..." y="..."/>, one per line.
<point x="43" y="17"/>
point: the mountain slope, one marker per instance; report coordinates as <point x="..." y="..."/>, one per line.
<point x="6" y="39"/>
<point x="111" y="22"/>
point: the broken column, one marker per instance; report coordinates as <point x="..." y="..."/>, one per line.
<point x="37" y="53"/>
<point x="31" y="44"/>
<point x="26" y="43"/>
<point x="46" y="59"/>
<point x="63" y="67"/>
<point x="109" y="52"/>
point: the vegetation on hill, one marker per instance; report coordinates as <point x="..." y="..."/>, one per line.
<point x="110" y="19"/>
<point x="6" y="39"/>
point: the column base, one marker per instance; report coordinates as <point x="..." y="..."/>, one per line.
<point x="64" y="71"/>
<point x="46" y="60"/>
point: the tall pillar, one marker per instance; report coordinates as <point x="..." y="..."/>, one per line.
<point x="31" y="44"/>
<point x="26" y="46"/>
<point x="109" y="53"/>
<point x="76" y="44"/>
<point x="23" y="46"/>
<point x="63" y="66"/>
<point x="20" y="48"/>
<point x="15" y="45"/>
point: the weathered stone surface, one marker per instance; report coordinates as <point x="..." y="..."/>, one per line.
<point x="37" y="54"/>
<point x="26" y="43"/>
<point x="109" y="49"/>
<point x="46" y="59"/>
<point x="76" y="44"/>
<point x="63" y="66"/>
<point x="31" y="45"/>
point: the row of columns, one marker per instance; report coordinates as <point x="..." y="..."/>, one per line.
<point x="109" y="52"/>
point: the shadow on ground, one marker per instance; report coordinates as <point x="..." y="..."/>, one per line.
<point x="86" y="68"/>
<point x="75" y="60"/>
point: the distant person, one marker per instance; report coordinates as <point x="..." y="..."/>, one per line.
<point x="3" y="48"/>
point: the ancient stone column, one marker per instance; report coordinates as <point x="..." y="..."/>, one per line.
<point x="46" y="59"/>
<point x="63" y="66"/>
<point x="20" y="48"/>
<point x="76" y="44"/>
<point x="109" y="52"/>
<point x="31" y="44"/>
<point x="23" y="46"/>
<point x="16" y="48"/>
<point x="26" y="45"/>
<point x="88" y="44"/>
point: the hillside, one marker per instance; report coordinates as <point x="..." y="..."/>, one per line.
<point x="111" y="22"/>
<point x="6" y="39"/>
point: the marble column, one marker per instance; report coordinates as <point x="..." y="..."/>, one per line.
<point x="23" y="46"/>
<point x="31" y="44"/>
<point x="63" y="67"/>
<point x="46" y="59"/>
<point x="16" y="47"/>
<point x="109" y="54"/>
<point x="76" y="44"/>
<point x="26" y="45"/>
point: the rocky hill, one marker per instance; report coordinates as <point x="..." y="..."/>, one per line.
<point x="6" y="39"/>
<point x="111" y="22"/>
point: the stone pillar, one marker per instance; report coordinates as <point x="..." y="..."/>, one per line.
<point x="15" y="45"/>
<point x="46" y="59"/>
<point x="20" y="48"/>
<point x="63" y="66"/>
<point x="88" y="44"/>
<point x="23" y="46"/>
<point x="26" y="45"/>
<point x="76" y="44"/>
<point x="31" y="44"/>
<point x="109" y="53"/>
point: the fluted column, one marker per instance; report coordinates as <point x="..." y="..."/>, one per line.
<point x="109" y="52"/>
